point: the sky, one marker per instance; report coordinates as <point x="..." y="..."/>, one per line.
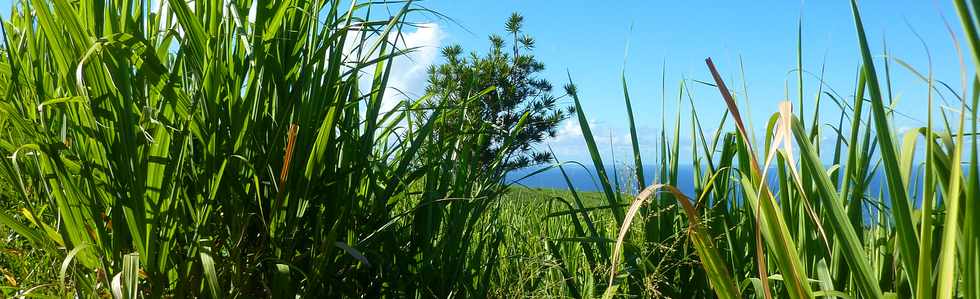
<point x="594" y="42"/>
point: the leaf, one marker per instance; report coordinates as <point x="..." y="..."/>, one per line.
<point x="907" y="240"/>
<point x="210" y="274"/>
<point x="67" y="262"/>
<point x="126" y="283"/>
<point x="853" y="251"/>
<point x="721" y="280"/>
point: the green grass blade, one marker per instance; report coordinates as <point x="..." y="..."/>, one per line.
<point x="769" y="221"/>
<point x="600" y="168"/>
<point x="847" y="234"/>
<point x="907" y="240"/>
<point x="721" y="280"/>
<point x="637" y="160"/>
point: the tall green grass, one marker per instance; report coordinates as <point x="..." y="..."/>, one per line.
<point x="233" y="148"/>
<point x="819" y="230"/>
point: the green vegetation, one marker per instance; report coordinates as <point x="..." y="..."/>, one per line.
<point x="516" y="93"/>
<point x="230" y="149"/>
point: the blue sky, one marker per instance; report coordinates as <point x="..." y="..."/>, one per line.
<point x="589" y="40"/>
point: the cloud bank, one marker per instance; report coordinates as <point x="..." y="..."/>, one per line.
<point x="409" y="73"/>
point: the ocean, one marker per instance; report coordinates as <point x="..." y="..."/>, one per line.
<point x="584" y="178"/>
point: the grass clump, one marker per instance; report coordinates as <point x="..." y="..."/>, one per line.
<point x="230" y="148"/>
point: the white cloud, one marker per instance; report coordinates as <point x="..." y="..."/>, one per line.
<point x="570" y="130"/>
<point x="614" y="141"/>
<point x="410" y="72"/>
<point x="569" y="142"/>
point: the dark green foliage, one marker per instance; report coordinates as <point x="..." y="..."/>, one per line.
<point x="198" y="151"/>
<point x="512" y="71"/>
